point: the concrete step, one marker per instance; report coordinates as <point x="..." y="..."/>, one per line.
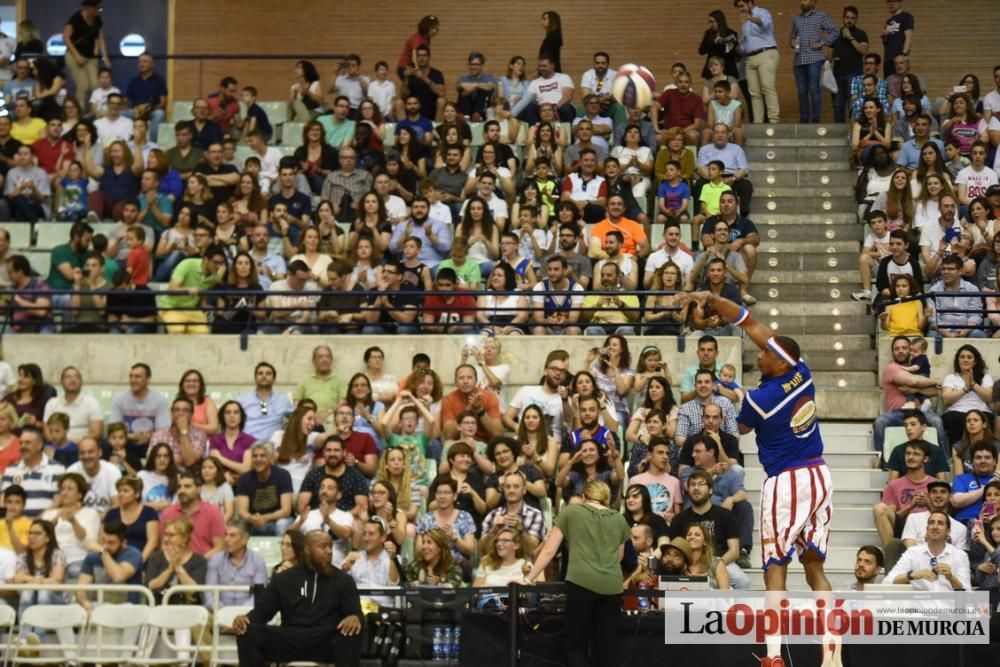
<point x="766" y="142"/>
<point x="817" y="234"/>
<point x="759" y="155"/>
<point x="798" y="325"/>
<point x="808" y="261"/>
<point x="797" y="130"/>
<point x="854" y="360"/>
<point x="793" y="308"/>
<point x="787" y="247"/>
<point x="842" y="477"/>
<point x="826" y="378"/>
<point x="820" y="277"/>
<point x="817" y="191"/>
<point x="841" y="495"/>
<point x="845" y="401"/>
<point x="805" y="177"/>
<point x="767" y="218"/>
<point x="804" y="166"/>
<point x="769" y="294"/>
<point x="812" y="206"/>
<point x="858" y="459"/>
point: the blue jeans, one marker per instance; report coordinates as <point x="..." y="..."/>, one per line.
<point x="895" y="418"/>
<point x="167" y="266"/>
<point x="842" y="98"/>
<point x="807" y="81"/>
<point x="378" y="329"/>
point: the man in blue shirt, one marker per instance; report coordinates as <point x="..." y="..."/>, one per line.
<point x="434" y="235"/>
<point x="759" y="49"/>
<point x="736" y="166"/>
<point x="266" y="409"/>
<point x="147" y="95"/>
<point x="115" y="563"/>
<point x="235" y="566"/>
<point x="909" y="156"/>
<point x="475" y="89"/>
<point x="968" y="488"/>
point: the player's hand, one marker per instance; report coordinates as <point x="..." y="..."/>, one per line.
<point x="240" y="624"/>
<point x="350" y="626"/>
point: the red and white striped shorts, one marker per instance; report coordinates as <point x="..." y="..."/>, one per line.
<point x="795" y="511"/>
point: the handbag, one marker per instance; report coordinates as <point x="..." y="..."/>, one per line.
<point x="826" y="78"/>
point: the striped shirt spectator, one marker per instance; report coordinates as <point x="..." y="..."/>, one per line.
<point x="35" y="473"/>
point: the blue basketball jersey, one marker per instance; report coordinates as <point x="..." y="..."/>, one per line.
<point x="782" y="411"/>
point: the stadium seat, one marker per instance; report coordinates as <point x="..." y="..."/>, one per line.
<point x="291" y="134"/>
<point x="287" y="150"/>
<point x="895" y="436"/>
<point x="181" y="110"/>
<point x="51" y="617"/>
<point x="390" y="135"/>
<point x="269" y="549"/>
<point x="51" y="234"/>
<point x="103" y="227"/>
<point x="242" y="153"/>
<point x="20" y="234"/>
<point x="277" y="112"/>
<point x="41" y="262"/>
<point x="165" y="136"/>
<point x="168" y="623"/>
<point x="224" y="646"/>
<point x="112" y="634"/>
<point x="476" y="130"/>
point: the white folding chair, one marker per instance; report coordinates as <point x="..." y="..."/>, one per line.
<point x="8" y="617"/>
<point x="112" y="634"/>
<point x="224" y="646"/>
<point x="170" y="624"/>
<point x="61" y="618"/>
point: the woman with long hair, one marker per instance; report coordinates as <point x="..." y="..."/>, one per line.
<point x="294" y="444"/>
<point x="383" y="503"/>
<point x="373" y="220"/>
<point x="587" y="464"/>
<point x="159" y="478"/>
<point x="719" y="41"/>
<point x="538" y="448"/>
<point x="42" y="563"/>
<point x="978" y="428"/>
<point x="927" y="212"/>
<point x="367" y="409"/>
<point x="658" y="396"/>
<point x="71" y="114"/>
<point x="505" y="454"/>
<point x="504" y="561"/>
<point x="50" y="89"/>
<point x="239" y="312"/>
<point x="968" y="387"/>
<point x="667" y="313"/>
<point x="76" y="526"/>
<point x="897" y="202"/>
<point x="192" y="387"/>
<point x="552" y="44"/>
<point x="931" y="162"/>
<point x="226" y="232"/>
<point x="308" y="250"/>
<point x="543" y="143"/>
<point x="171" y="183"/>
<point x="29" y="396"/>
<point x="198" y="195"/>
<point x="514" y="84"/>
<point x="489" y="162"/>
<point x="384" y="385"/>
<point x="232" y="444"/>
<point x="480" y="231"/>
<point x="306" y="94"/>
<point x="412" y="158"/>
<point x="88" y="310"/>
<point x="716" y="66"/>
<point x="531" y="196"/>
<point x="118" y="182"/>
<point x="369" y="114"/>
<point x="636" y="160"/>
<point x="675" y="150"/>
<point x="981" y="216"/>
<point x="704" y="562"/>
<point x="452" y="118"/>
<point x="433" y="564"/>
<point x="870" y="129"/>
<point x="463" y="464"/>
<point x="176" y="243"/>
<point x="215" y="490"/>
<point x="584" y="385"/>
<point x="910" y="85"/>
<point x="639" y="510"/>
<point x="142" y="523"/>
<point x="611" y="366"/>
<point x="502" y="314"/>
<point x="593" y="574"/>
<point x="963" y="125"/>
<point x="293" y="544"/>
<point x="249" y="204"/>
<point x="458" y="525"/>
<point x="175" y="563"/>
<point x="906" y="318"/>
<point x="10" y="444"/>
<point x="367" y="270"/>
<point x="394" y="469"/>
<point x="315" y="157"/>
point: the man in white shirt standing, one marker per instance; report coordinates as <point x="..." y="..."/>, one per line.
<point x="934" y="565"/>
<point x="382" y="90"/>
<point x="350" y="83"/>
<point x="550" y="87"/>
<point x="375" y="564"/>
<point x="546" y="396"/>
<point x="83" y="410"/>
<point x="270" y="159"/>
<point x="670" y="251"/>
<point x="991" y="101"/>
<point x="598" y="80"/>
<point x="975" y="180"/>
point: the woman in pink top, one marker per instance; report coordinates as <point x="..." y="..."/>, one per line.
<point x="963" y="123"/>
<point x="192" y="387"/>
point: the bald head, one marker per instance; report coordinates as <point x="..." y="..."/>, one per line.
<point x="318" y="551"/>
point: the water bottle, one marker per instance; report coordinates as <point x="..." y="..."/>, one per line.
<point x="456" y="639"/>
<point x="446" y="644"/>
<point x="643" y="601"/>
<point x="439" y="654"/>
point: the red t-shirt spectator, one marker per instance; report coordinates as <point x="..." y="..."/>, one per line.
<point x="208" y="524"/>
<point x="138" y="265"/>
<point x="892" y="397"/>
<point x="415" y="40"/>
<point x="231" y="109"/>
<point x="679" y="110"/>
<point x="360" y="445"/>
<point x="48" y="154"/>
<point x="449" y="313"/>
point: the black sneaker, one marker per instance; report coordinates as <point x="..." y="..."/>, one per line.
<point x="744" y="560"/>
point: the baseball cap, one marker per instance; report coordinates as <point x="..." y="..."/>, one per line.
<point x="993" y="190"/>
<point x="939" y="484"/>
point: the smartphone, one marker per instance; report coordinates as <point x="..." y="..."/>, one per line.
<point x="959" y="89"/>
<point x="989" y="508"/>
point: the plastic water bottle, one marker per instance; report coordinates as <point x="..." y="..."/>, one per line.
<point x="439" y="646"/>
<point x="456" y="639"/>
<point x="643" y="601"/>
<point x="446" y="644"/>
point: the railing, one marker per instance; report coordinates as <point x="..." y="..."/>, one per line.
<point x="933" y="297"/>
<point x="100" y="589"/>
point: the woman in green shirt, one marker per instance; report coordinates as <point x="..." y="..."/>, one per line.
<point x="596" y="536"/>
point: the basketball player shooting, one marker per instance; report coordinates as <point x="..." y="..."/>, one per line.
<point x="796" y="498"/>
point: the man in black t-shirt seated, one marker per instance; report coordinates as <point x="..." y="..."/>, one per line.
<point x="717" y="521"/>
<point x="264" y="494"/>
<point x="130" y="309"/>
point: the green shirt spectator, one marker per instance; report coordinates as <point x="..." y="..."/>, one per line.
<point x="69" y="256"/>
<point x="195" y="274"/>
<point x="469" y="274"/>
<point x="323" y="386"/>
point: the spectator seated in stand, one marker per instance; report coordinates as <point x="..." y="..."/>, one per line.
<point x="264" y="494"/>
<point x="116" y="563"/>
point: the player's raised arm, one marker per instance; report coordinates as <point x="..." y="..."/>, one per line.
<point x="738" y="315"/>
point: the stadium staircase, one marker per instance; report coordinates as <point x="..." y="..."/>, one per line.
<point x="806" y="270"/>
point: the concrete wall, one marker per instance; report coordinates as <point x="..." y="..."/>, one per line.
<point x="105" y="360"/>
<point x="951" y="38"/>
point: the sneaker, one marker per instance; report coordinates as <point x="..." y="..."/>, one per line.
<point x="864" y="295"/>
<point x="749" y="299"/>
<point x="744" y="560"/>
<point x="92" y="217"/>
<point x="27" y="642"/>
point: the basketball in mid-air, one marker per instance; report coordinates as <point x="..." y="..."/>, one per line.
<point x="633" y="86"/>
